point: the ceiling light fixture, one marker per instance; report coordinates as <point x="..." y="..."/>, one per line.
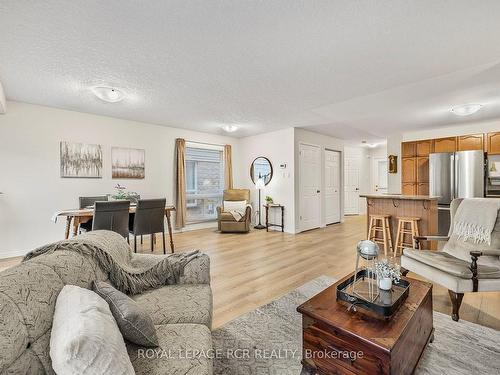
<point x="466" y="109"/>
<point x="108" y="94"/>
<point x="229" y="128"/>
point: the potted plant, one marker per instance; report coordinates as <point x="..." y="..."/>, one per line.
<point x="121" y="194"/>
<point x="387" y="273"/>
<point x="268" y="199"/>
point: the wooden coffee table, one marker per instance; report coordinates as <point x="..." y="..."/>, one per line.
<point x="336" y="341"/>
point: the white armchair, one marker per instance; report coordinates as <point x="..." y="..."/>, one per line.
<point x="461" y="267"/>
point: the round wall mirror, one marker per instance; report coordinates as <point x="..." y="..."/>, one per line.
<point x="261" y="168"/>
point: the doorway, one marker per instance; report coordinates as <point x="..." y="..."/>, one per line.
<point x="310" y="182"/>
<point x="332" y="187"/>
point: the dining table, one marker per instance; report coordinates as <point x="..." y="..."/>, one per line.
<point x="75" y="217"/>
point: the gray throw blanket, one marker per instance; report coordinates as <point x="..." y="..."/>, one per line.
<point x="475" y="220"/>
<point x="129" y="272"/>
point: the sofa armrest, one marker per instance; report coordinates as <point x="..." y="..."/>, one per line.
<point x="197" y="271"/>
<point x="219" y="210"/>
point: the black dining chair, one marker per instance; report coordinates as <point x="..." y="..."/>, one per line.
<point x="112" y="215"/>
<point x="88" y="202"/>
<point x="149" y="219"/>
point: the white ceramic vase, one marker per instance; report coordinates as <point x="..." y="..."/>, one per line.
<point x="385" y="283"/>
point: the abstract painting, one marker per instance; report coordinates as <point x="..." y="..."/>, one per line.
<point x="127" y="162"/>
<point x="81" y="160"/>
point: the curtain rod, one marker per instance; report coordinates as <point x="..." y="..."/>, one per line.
<point x="205" y="143"/>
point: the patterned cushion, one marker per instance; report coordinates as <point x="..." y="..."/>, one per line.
<point x="177" y="341"/>
<point x="178" y="304"/>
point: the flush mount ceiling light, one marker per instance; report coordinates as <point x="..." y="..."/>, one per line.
<point x="229" y="128"/>
<point x="108" y="94"/>
<point x="466" y="109"/>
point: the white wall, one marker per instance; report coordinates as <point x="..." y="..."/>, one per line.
<point x="278" y="147"/>
<point x="325" y="142"/>
<point x="394" y="142"/>
<point x="30" y="178"/>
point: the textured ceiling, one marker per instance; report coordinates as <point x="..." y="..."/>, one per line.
<point x="351" y="69"/>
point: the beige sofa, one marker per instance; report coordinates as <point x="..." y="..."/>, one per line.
<point x="182" y="314"/>
<point x="226" y="221"/>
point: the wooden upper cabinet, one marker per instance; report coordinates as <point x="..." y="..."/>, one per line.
<point x="493" y="143"/>
<point x="470" y="142"/>
<point x="408" y="149"/>
<point x="445" y="144"/>
<point x="423" y="169"/>
<point x="408" y="167"/>
<point x="424" y="148"/>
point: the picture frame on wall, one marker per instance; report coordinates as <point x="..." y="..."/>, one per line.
<point x="128" y="163"/>
<point x="393" y="164"/>
<point x="80" y="160"/>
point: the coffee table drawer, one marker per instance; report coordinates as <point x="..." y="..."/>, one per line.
<point x="333" y="352"/>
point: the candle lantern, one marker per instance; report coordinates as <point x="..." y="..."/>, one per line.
<point x="365" y="283"/>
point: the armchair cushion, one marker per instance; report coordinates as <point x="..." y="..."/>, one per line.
<point x="234" y="205"/>
<point x="450" y="264"/>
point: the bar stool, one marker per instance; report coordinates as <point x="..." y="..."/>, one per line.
<point x="381" y="224"/>
<point x="403" y="230"/>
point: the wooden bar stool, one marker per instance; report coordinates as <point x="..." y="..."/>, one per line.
<point x="404" y="230"/>
<point x="381" y="224"/>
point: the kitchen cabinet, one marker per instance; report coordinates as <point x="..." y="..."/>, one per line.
<point x="408" y="149"/>
<point x="409" y="170"/>
<point x="470" y="142"/>
<point x="424" y="148"/>
<point x="493" y="143"/>
<point x="445" y="144"/>
<point x="409" y="188"/>
<point x="423" y="169"/>
<point x="423" y="188"/>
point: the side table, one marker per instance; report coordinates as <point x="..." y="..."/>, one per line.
<point x="268" y="224"/>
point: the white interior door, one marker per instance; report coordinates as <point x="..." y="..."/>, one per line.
<point x="332" y="187"/>
<point x="351" y="186"/>
<point x="310" y="181"/>
<point x="380" y="175"/>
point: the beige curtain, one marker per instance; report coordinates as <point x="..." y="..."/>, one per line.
<point x="180" y="153"/>
<point x="228" y="168"/>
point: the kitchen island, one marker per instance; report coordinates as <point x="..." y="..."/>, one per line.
<point x="398" y="205"/>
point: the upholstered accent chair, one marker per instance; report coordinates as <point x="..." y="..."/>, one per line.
<point x="226" y="221"/>
<point x="456" y="266"/>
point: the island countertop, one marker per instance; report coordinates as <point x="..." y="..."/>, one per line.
<point x="397" y="206"/>
<point x="400" y="196"/>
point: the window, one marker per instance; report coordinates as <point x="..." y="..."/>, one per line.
<point x="204" y="181"/>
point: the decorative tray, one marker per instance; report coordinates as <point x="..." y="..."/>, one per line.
<point x="384" y="305"/>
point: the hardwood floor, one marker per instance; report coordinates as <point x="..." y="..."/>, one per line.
<point x="249" y="270"/>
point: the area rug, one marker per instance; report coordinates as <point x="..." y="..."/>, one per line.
<point x="268" y="341"/>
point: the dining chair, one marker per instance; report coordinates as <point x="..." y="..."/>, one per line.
<point x="87" y="202"/>
<point x="149" y="219"/>
<point x="112" y="215"/>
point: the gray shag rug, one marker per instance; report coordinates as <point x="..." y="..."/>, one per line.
<point x="268" y="341"/>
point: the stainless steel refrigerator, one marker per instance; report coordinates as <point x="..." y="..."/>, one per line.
<point x="455" y="175"/>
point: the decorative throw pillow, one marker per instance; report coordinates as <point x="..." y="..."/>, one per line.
<point x="234" y="205"/>
<point x="85" y="338"/>
<point x="134" y="322"/>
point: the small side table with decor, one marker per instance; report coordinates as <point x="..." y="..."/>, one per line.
<point x="268" y="224"/>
